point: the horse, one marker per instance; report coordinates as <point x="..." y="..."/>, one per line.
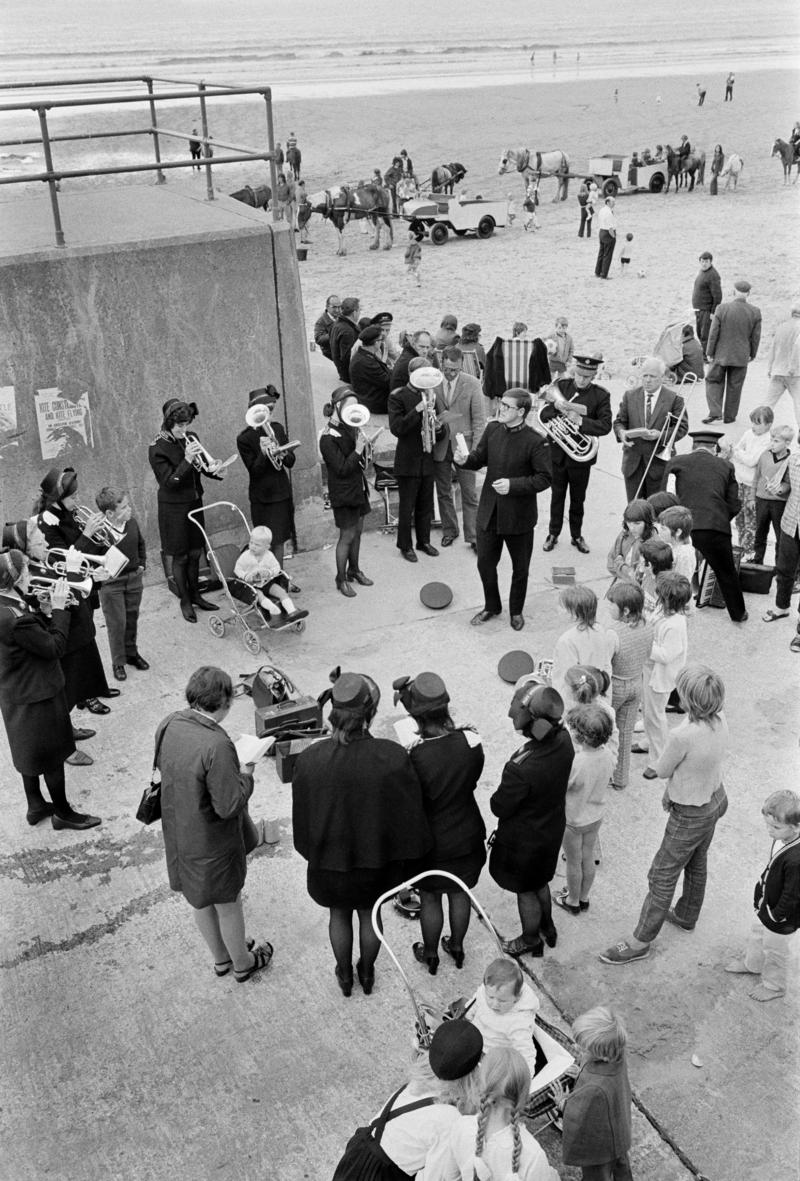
<point x="534" y="165"/>
<point x="446" y="177"/>
<point x="258" y="197"/>
<point x="683" y="167"/>
<point x="733" y="167"/>
<point x="341" y="202"/>
<point x="789" y="159"/>
<point x="294" y="158"/>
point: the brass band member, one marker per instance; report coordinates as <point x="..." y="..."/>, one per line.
<point x="32" y="698"/>
<point x="176" y="463"/>
<point x="270" y="489"/>
<point x="343" y="450"/>
<point x="588" y="406"/>
<point x="413" y="421"/>
<point x="653" y="412"/>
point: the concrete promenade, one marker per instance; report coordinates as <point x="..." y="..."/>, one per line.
<point x="124" y="1057"/>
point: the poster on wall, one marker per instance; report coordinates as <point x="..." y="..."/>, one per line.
<point x="9" y="435"/>
<point x="64" y="424"/>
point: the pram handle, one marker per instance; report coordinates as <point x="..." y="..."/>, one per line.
<point x="422" y="1025"/>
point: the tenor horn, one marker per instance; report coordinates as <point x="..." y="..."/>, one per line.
<point x="582" y="448"/>
<point x="105" y="533"/>
<point x="355" y="415"/>
<point x="257" y="416"/>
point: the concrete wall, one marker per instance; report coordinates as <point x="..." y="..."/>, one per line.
<point x="157" y="294"/>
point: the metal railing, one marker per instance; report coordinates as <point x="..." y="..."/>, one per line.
<point x="52" y="176"/>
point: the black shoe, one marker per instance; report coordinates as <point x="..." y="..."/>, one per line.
<point x="93" y="705"/>
<point x="428" y="549"/>
<point x="711" y="418"/>
<point x="446" y="541"/>
<point x="40" y="812"/>
<point x="522" y="946"/>
<point x="344" y="980"/>
<point x="473" y="545"/>
<point x="483" y="617"/>
<point x="188" y="612"/>
<point x="119" y="672"/>
<point x="365" y="979"/>
<point x="204" y="604"/>
<point x="728" y="421"/>
<point x="742" y="618"/>
<point x="517" y="622"/>
<point x="580" y="545"/>
<point x="360" y="577"/>
<point x="456" y="953"/>
<point x="75" y="820"/>
<point x="422" y="957"/>
<point x="110" y="693"/>
<point x="409" y="555"/>
<point x="344" y="588"/>
<point x="81" y="733"/>
<point x="550" y="543"/>
<point x="550" y="935"/>
<point x="137" y="661"/>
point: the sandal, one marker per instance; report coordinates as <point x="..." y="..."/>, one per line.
<point x="262" y="955"/>
<point x="223" y="967"/>
<point x="560" y="899"/>
<point x="770" y="615"/>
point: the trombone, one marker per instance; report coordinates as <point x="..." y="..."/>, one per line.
<point x="664" y="444"/>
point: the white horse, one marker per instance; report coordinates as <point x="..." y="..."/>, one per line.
<point x="534" y="165"/>
<point x="733" y="167"/>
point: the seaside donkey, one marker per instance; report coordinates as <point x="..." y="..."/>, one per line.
<point x="341" y="202"/>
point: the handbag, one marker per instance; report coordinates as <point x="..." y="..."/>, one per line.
<point x="364" y="1158"/>
<point x="149" y="809"/>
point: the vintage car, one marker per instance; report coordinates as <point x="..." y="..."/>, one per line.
<point x="438" y="214"/>
<point x="619" y="174"/>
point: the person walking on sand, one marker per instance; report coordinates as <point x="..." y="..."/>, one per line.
<point x="194" y="148"/>
<point x="607" y="228"/>
<point x="729" y="81"/>
<point x="413" y="257"/>
<point x="701" y="94"/>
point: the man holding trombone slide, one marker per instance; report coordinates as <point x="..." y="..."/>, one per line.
<point x="650" y="420"/>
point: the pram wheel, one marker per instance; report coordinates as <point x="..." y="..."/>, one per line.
<point x="300" y="626"/>
<point x="216" y="625"/>
<point x="251" y="642"/>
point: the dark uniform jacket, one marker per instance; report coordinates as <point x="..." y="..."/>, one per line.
<point x="706" y="485"/>
<point x="178" y="480"/>
<point x="630" y="416"/>
<point x="400" y="371"/>
<point x="60" y="531"/>
<point x="405" y="423"/>
<point x="31" y="648"/>
<point x="268" y="484"/>
<point x="369" y="377"/>
<point x="520" y="455"/>
<point x="597" y="1117"/>
<point x="343" y="335"/>
<point x="449" y="768"/>
<point x="347" y="485"/>
<point x="597" y="401"/>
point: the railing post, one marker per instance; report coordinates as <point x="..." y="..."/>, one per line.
<point x="160" y="178"/>
<point x="273" y="172"/>
<point x="52" y="184"/>
<point x="201" y="86"/>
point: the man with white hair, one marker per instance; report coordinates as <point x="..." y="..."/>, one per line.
<point x="732" y="344"/>
<point x="783" y="364"/>
<point x="649" y="414"/>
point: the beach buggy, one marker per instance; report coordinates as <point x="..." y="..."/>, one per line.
<point x="438" y="215"/>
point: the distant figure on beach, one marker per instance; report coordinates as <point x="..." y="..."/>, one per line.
<point x="701" y="95"/>
<point x="511" y="209"/>
<point x="533" y="58"/>
<point x="529" y="206"/>
<point x="729" y="81"/>
<point x="406" y="163"/>
<point x="658" y="100"/>
<point x="607" y="226"/>
<point x="586" y="213"/>
<point x="194" y="148"/>
<point x="209" y="147"/>
<point x="616" y="94"/>
<point x="293" y="155"/>
<point x="625" y="253"/>
<point x="413" y="257"/>
<point x="279" y="156"/>
<point x="555" y="56"/>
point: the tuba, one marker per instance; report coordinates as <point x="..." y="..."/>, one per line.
<point x="569" y="437"/>
<point x="257" y="417"/>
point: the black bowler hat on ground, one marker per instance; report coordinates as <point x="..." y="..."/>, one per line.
<point x="514" y="665"/>
<point x="436" y="595"/>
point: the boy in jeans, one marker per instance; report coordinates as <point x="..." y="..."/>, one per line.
<point x="121" y="597"/>
<point x="776" y="900"/>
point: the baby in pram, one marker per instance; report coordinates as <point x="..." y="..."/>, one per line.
<point x="505" y="1010"/>
<point x="259" y="569"/>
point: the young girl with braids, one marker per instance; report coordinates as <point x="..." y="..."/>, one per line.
<point x="495" y="1145"/>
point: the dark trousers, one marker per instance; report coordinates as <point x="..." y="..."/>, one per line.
<point x="615" y="1170"/>
<point x="120" y="600"/>
<point x="724" y="383"/>
<point x="702" y="319"/>
<point x="652" y="481"/>
<point x="768" y="512"/>
<point x="490" y="550"/>
<point x="786" y="569"/>
<point x="577" y="480"/>
<point x="415" y="504"/>
<point x="586" y="223"/>
<point x="605" y="252"/>
<point x="715" y="547"/>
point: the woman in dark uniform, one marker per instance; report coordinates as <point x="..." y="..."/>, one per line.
<point x="529" y="804"/>
<point x="174" y="459"/>
<point x="32" y="699"/>
<point x="84" y="675"/>
<point x="358" y="820"/>
<point x="342" y="450"/>
<point x="270" y="489"/>
<point x="448" y="762"/>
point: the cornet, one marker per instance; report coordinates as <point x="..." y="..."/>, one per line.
<point x="105" y="533"/>
<point x="257" y="417"/>
<point x="202" y="460"/>
<point x="41" y="581"/>
<point x="72" y="561"/>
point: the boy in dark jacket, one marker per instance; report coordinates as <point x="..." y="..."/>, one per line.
<point x="121" y="597"/>
<point x="776" y="900"/>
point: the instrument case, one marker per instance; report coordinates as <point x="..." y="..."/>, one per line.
<point x="755" y="579"/>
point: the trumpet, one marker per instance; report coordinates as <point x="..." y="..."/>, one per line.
<point x="569" y="437"/>
<point x="202" y="460"/>
<point x="41" y="581"/>
<point x="105" y="533"/>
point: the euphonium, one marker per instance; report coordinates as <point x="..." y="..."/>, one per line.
<point x="258" y="417"/>
<point x="569" y="437"/>
<point x="105" y="533"/>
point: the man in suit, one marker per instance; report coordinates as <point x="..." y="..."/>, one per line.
<point x="653" y="409"/>
<point x="343" y="336"/>
<point x="369" y="375"/>
<point x="705" y="483"/>
<point x="517" y="465"/>
<point x="323" y="326"/>
<point x="413" y="462"/>
<point x="706" y="296"/>
<point x="461" y="395"/>
<point x="732" y="343"/>
<point x="587" y="405"/>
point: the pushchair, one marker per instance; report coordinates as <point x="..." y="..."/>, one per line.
<point x="555" y="1051"/>
<point x="226" y="533"/>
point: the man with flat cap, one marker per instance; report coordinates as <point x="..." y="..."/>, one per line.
<point x="409" y="407"/>
<point x="706" y="296"/>
<point x="587" y="406"/>
<point x="732" y="344"/>
<point x="369" y="374"/>
<point x="705" y="483"/>
<point x="517" y="463"/>
<point x="649" y="415"/>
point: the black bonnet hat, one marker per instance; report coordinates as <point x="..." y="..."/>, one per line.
<point x="421" y="694"/>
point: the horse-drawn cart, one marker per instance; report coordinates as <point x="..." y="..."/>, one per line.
<point x="439" y="215"/>
<point x="618" y="174"/>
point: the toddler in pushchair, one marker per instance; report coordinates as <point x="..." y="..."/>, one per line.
<point x="258" y="578"/>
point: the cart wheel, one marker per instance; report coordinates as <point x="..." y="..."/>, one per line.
<point x="251" y="642"/>
<point x="300" y="626"/>
<point x="216" y="626"/>
<point x="611" y="187"/>
<point x="438" y="234"/>
<point x="657" y="182"/>
<point x="486" y="227"/>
